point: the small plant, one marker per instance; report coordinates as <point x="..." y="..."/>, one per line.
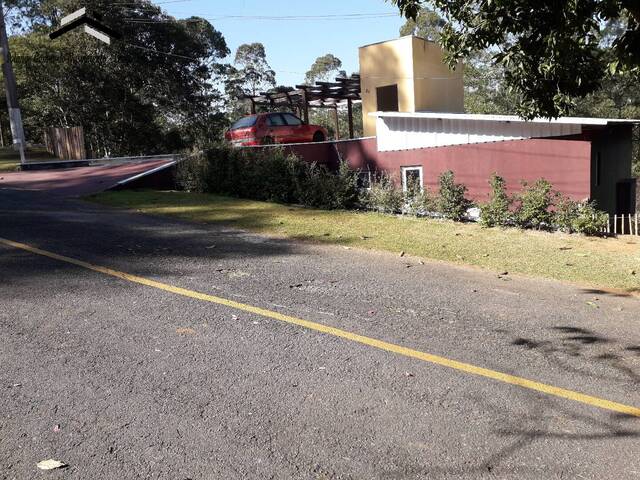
<point x="384" y="196"/>
<point x="347" y="193"/>
<point x="589" y="220"/>
<point x="452" y="202"/>
<point x="535" y="204"/>
<point x="189" y="174"/>
<point x="496" y="212"/>
<point x="565" y="214"/>
<point x="418" y="200"/>
<point x="318" y="187"/>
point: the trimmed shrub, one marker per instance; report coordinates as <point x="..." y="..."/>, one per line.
<point x="419" y="201"/>
<point x="496" y="212"/>
<point x="347" y="193"/>
<point x="452" y="202"/>
<point x="383" y="196"/>
<point x="565" y="213"/>
<point x="589" y="220"/>
<point x="270" y="175"/>
<point x="535" y="203"/>
<point x="317" y="188"/>
<point x="189" y="174"/>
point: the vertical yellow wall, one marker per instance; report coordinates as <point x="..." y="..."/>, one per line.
<point x="424" y="82"/>
<point x="382" y="64"/>
<point x="437" y="89"/>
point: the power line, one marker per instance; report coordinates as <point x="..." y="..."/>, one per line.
<point x="263" y="18"/>
<point x="162" y="53"/>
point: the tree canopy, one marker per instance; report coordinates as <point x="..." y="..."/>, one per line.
<point x="324" y="68"/>
<point x="252" y="73"/>
<point x="552" y="51"/>
<point x="426" y="24"/>
<point x="152" y="91"/>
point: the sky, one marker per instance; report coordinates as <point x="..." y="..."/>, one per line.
<point x="292" y="45"/>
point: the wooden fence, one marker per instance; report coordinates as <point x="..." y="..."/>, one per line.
<point x="626" y="224"/>
<point x="65" y="143"/>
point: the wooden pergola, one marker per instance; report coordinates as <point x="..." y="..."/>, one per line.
<point x="344" y="91"/>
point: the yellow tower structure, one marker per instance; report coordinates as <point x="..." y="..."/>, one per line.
<point x="407" y="74"/>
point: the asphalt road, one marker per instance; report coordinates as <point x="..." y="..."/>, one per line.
<point x="121" y="380"/>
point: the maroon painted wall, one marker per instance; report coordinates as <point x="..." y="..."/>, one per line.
<point x="563" y="162"/>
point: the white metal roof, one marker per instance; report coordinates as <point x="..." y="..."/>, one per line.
<point x="405" y="131"/>
<point x="505" y="118"/>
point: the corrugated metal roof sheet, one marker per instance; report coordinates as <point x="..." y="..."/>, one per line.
<point x="505" y="118"/>
<point x="404" y="131"/>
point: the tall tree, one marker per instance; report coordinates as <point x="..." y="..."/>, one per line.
<point x="151" y="91"/>
<point x="427" y="24"/>
<point x="324" y="69"/>
<point x="251" y="71"/>
<point x="550" y="50"/>
<point x="250" y="74"/>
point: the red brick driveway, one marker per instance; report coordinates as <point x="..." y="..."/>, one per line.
<point x="74" y="182"/>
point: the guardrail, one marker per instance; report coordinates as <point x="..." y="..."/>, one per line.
<point x="55" y="164"/>
<point x="141" y="158"/>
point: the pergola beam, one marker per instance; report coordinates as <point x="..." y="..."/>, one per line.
<point x="345" y="90"/>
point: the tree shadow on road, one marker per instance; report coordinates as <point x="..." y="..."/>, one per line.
<point x="137" y="244"/>
<point x="537" y="419"/>
<point x="586" y="353"/>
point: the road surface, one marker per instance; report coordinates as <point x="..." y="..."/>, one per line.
<point x="139" y="347"/>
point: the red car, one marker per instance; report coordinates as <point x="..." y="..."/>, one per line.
<point x="269" y="128"/>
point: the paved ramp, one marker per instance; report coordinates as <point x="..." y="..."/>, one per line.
<point x="74" y="182"/>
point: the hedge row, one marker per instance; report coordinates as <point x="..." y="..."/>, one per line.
<point x="272" y="175"/>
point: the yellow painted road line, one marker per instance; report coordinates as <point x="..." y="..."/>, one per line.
<point x="354" y="337"/>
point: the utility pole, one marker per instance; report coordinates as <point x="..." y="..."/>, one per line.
<point x="15" y="117"/>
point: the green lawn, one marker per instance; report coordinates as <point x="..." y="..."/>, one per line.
<point x="10" y="158"/>
<point x="594" y="262"/>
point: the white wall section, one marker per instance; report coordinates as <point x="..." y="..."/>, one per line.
<point x="404" y="133"/>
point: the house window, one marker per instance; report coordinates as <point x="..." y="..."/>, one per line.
<point x="387" y="98"/>
<point x="364" y="179"/>
<point x="412" y="180"/>
<point x="598" y="173"/>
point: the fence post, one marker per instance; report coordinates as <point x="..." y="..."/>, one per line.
<point x="637" y="232"/>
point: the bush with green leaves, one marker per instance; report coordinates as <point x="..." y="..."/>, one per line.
<point x="383" y="195"/>
<point x="452" y="202"/>
<point x="565" y="213"/>
<point x="272" y="175"/>
<point x="189" y="173"/>
<point x="535" y="202"/>
<point x="497" y="211"/>
<point x="419" y="200"/>
<point x="589" y="220"/>
<point x="268" y="174"/>
<point x="347" y="193"/>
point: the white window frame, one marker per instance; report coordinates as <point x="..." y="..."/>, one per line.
<point x="404" y="171"/>
<point x="366" y="172"/>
